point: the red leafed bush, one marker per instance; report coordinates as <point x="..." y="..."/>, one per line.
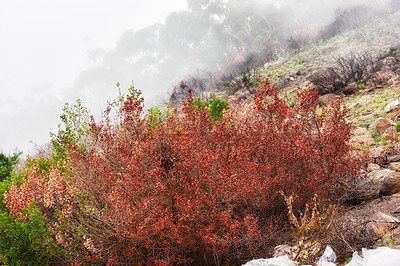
<point x="188" y="189"/>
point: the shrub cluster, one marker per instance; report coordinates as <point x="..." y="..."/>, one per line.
<point x="179" y="187"/>
<point x="347" y="19"/>
<point x="245" y="75"/>
<point x="197" y="84"/>
<point x="357" y="68"/>
<point x="298" y="39"/>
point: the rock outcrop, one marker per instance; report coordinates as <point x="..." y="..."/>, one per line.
<point x="375" y="184"/>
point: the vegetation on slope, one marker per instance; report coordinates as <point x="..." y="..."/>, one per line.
<point x="202" y="183"/>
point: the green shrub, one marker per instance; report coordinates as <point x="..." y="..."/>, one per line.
<point x="7" y="164"/>
<point x="28" y="241"/>
<point x="215" y="106"/>
<point x="361" y="86"/>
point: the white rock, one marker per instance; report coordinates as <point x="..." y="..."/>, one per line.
<point x="392" y="106"/>
<point x="382" y="256"/>
<point x="258" y="262"/>
<point x="373" y="166"/>
<point x="279" y="261"/>
<point x="327" y="263"/>
<point x="328" y="257"/>
<point x="361" y="103"/>
<point x="383" y="217"/>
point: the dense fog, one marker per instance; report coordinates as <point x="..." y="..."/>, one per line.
<point x="198" y="40"/>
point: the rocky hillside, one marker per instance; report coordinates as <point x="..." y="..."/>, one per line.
<point x="362" y="67"/>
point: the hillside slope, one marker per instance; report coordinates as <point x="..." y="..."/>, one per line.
<point x="378" y="42"/>
<point x="373" y="50"/>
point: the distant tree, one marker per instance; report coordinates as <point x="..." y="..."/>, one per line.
<point x="7" y="164"/>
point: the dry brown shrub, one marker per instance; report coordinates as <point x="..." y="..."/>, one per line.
<point x="310" y="226"/>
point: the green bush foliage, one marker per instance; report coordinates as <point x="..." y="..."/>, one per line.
<point x="214" y="105"/>
<point x="7" y="164"/>
<point x="26" y="240"/>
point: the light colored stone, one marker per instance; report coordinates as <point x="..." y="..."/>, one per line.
<point x="283" y="250"/>
<point x="395" y="166"/>
<point x="382" y="256"/>
<point x="373" y="166"/>
<point x="361" y="134"/>
<point x="392" y="106"/>
<point x="279" y="261"/>
<point x="361" y="103"/>
<point x="383" y="217"/>
<point x="327" y="263"/>
<point x="390" y="185"/>
<point x="328" y="257"/>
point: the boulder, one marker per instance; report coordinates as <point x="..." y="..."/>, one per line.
<point x="392" y="106"/>
<point x="382" y="256"/>
<point x="283" y="250"/>
<point x="390" y="185"/>
<point x="327" y="99"/>
<point x="381" y="125"/>
<point x="361" y="103"/>
<point x="373" y="166"/>
<point x="361" y="134"/>
<point x="395" y="166"/>
<point x="375" y="184"/>
<point x="328" y="257"/>
<point x="279" y="261"/>
<point x="282" y="257"/>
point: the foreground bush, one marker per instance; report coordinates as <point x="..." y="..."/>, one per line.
<point x="25" y="239"/>
<point x="186" y="188"/>
<point x="28" y="241"/>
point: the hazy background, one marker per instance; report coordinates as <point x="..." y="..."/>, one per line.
<point x="56" y="51"/>
<point x="46" y="44"/>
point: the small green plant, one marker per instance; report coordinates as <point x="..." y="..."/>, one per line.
<point x="388" y="242"/>
<point x="379" y="138"/>
<point x="215" y="106"/>
<point x="397" y="126"/>
<point x="155" y="116"/>
<point x="347" y="260"/>
<point x="361" y="86"/>
<point x="292" y="104"/>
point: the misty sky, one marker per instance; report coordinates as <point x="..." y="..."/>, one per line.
<point x="46" y="45"/>
<point x="58" y="51"/>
